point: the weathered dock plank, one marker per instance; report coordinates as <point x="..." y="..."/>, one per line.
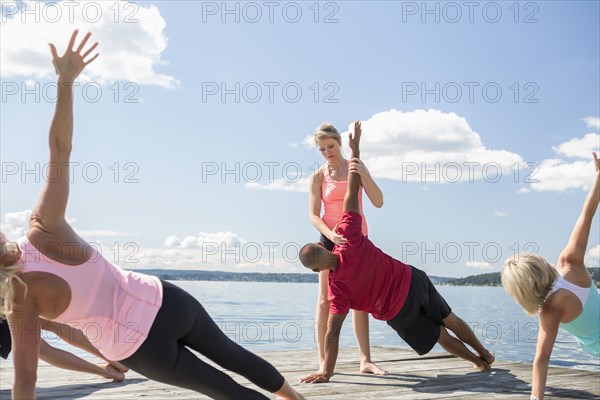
<point x="435" y="376"/>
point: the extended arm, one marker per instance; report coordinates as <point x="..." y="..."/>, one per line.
<point x="75" y="337"/>
<point x="574" y="253"/>
<point x="71" y="335"/>
<point x="65" y="360"/>
<point x="351" y="197"/>
<point x="332" y="341"/>
<point x="25" y="337"/>
<point x="549" y="322"/>
<point x="51" y="206"/>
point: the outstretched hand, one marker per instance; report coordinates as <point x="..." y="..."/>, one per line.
<point x="596" y="163"/>
<point x="69" y="66"/>
<point x="354" y="139"/>
<point x="315" y="378"/>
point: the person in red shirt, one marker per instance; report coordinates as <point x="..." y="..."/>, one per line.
<point x="362" y="277"/>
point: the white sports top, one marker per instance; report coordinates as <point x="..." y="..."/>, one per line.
<point x="562" y="283"/>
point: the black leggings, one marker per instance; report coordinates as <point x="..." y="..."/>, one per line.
<point x="164" y="357"/>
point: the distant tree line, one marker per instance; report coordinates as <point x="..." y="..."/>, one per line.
<point x="197" y="275"/>
<point x="490" y="279"/>
<point x="493" y="279"/>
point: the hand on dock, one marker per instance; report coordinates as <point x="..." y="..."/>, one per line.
<point x="315" y="378"/>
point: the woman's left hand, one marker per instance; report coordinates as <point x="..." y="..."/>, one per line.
<point x="358" y="167"/>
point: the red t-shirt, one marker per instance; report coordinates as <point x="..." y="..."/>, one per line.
<point x="366" y="279"/>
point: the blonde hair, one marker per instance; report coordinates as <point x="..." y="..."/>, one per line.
<point x="9" y="274"/>
<point x="327" y="131"/>
<point x="528" y="279"/>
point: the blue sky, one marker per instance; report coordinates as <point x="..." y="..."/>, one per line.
<point x="500" y="103"/>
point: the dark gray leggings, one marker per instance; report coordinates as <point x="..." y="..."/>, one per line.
<point x="182" y="322"/>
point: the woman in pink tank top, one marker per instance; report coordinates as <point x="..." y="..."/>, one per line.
<point x="147" y="324"/>
<point x="328" y="186"/>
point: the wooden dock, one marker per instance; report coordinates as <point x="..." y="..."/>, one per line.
<point x="434" y="376"/>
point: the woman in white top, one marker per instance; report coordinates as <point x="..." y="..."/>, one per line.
<point x="565" y="296"/>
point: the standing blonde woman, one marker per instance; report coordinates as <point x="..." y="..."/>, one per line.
<point x="565" y="296"/>
<point x="328" y="186"/>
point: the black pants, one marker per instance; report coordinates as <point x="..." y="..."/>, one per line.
<point x="419" y="320"/>
<point x="182" y="322"/>
<point x="325" y="242"/>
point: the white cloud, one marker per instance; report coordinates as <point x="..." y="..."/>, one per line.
<point x="592" y="258"/>
<point x="309" y="142"/>
<point x="427" y="146"/>
<point x="284" y="185"/>
<point x="225" y="251"/>
<point x="478" y="265"/>
<point x="500" y="213"/>
<point x="131" y="38"/>
<point x="249" y="257"/>
<point x="558" y="175"/>
<point x="205" y="240"/>
<point x="579" y="147"/>
<point x="15" y="224"/>
<point x="592" y="122"/>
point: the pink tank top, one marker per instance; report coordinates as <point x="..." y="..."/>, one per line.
<point x="114" y="308"/>
<point x="332" y="196"/>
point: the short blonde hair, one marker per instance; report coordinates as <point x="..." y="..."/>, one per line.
<point x="9" y="275"/>
<point x="327" y="131"/>
<point x="528" y="279"/>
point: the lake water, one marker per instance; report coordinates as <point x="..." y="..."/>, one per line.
<point x="280" y="316"/>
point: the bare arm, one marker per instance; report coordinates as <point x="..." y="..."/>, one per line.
<point x="351" y="198"/>
<point x="25" y="337"/>
<point x="574" y="253"/>
<point x="332" y="340"/>
<point x="549" y="323"/>
<point x="71" y="335"/>
<point x="367" y="182"/>
<point x="50" y="208"/>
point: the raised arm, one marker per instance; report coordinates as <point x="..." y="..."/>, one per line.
<point x="51" y="206"/>
<point x="574" y="253"/>
<point x="351" y="197"/>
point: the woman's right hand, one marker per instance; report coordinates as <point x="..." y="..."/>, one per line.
<point x="335" y="238"/>
<point x="69" y="66"/>
<point x="596" y="163"/>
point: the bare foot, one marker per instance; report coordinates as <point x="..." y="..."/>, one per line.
<point x="488" y="357"/>
<point x="371" y="368"/>
<point x="113" y="373"/>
